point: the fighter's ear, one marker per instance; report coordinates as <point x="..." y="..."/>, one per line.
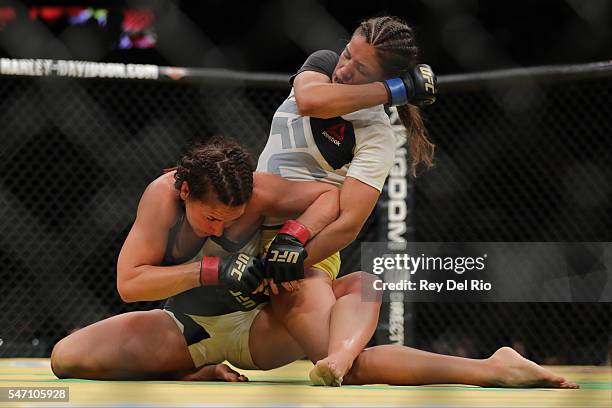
<point x="184" y="191"/>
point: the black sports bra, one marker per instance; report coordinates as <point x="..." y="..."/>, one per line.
<point x="172" y="234"/>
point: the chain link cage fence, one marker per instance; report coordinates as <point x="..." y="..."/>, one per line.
<point x="519" y="158"/>
<point x="522" y="156"/>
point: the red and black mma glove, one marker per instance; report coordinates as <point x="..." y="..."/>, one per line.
<point x="417" y="87"/>
<point x="239" y="271"/>
<point x="286" y="254"/>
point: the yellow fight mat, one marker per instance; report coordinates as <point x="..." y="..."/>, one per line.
<point x="289" y="386"/>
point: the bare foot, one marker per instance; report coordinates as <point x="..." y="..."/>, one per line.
<point x="515" y="371"/>
<point x="329" y="371"/>
<point x="213" y="372"/>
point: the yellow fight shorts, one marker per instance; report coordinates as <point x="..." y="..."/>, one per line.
<point x="228" y="337"/>
<point x="331" y="265"/>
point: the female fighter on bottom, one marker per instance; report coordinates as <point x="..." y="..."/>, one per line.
<point x="212" y="316"/>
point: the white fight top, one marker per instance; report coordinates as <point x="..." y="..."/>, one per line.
<point x="360" y="145"/>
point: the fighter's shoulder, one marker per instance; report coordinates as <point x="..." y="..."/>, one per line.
<point x="375" y="115"/>
<point x="162" y="187"/>
<point x="264" y="187"/>
<point x="369" y="124"/>
<point x="160" y="199"/>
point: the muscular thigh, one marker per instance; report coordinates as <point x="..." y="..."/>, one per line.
<point x="359" y="283"/>
<point x="306" y="312"/>
<point x="314" y="296"/>
<point x="270" y="343"/>
<point x="147" y="341"/>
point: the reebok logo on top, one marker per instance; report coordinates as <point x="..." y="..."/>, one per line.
<point x="335" y="133"/>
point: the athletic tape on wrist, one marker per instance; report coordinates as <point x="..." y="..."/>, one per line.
<point x="397" y="89"/>
<point x="209" y="271"/>
<point x="297" y="230"/>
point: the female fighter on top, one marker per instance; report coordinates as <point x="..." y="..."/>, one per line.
<point x="333" y="128"/>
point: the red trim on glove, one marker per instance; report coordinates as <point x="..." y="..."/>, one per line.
<point x="297" y="230"/>
<point x="209" y="271"/>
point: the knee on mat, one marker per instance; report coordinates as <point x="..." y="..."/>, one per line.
<point x="56" y="361"/>
<point x="64" y="361"/>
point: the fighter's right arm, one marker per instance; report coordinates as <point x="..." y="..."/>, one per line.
<point x="316" y="96"/>
<point x="139" y="278"/>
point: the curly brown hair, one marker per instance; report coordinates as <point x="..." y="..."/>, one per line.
<point x="221" y="166"/>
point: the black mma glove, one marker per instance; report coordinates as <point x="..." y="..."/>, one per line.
<point x="417" y="87"/>
<point x="286" y="254"/>
<point x="237" y="272"/>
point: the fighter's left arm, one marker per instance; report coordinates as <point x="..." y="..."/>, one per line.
<point x="357" y="200"/>
<point x="313" y="204"/>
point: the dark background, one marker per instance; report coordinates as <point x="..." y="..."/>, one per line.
<point x="520" y="161"/>
<point x="455" y="35"/>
